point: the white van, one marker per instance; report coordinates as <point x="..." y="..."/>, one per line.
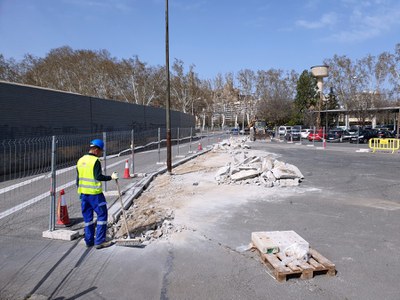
<point x="282" y="130"/>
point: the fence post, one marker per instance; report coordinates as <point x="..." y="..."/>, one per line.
<point x="133" y="151"/>
<point x="190" y="143"/>
<point x="52" y="221"/>
<point x="178" y="137"/>
<point x="159" y="145"/>
<point x="105" y="159"/>
<point x="313" y="141"/>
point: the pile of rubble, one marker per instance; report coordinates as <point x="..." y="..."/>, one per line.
<point x="152" y="215"/>
<point x="150" y="218"/>
<point x="147" y="224"/>
<point x="265" y="170"/>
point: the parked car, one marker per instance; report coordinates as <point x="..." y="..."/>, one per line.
<point x="235" y="131"/>
<point x="293" y="134"/>
<point x="389" y="127"/>
<point x="305" y="132"/>
<point x="363" y="136"/>
<point x="338" y="135"/>
<point x="318" y="136"/>
<point x="384" y="133"/>
<point x="282" y="130"/>
<point x="296" y="133"/>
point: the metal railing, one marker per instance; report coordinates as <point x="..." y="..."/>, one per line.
<point x="384" y="144"/>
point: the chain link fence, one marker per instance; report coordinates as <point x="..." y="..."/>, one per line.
<point x="30" y="183"/>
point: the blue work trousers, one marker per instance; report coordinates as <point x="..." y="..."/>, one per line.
<point x="94" y="203"/>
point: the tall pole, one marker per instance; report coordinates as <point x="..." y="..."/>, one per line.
<point x="398" y="125"/>
<point x="326" y="123"/>
<point x="167" y="106"/>
<point x="52" y="221"/>
<point x="319" y="103"/>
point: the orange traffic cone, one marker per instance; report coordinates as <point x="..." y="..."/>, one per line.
<point x="199" y="148"/>
<point x="126" y="172"/>
<point x="62" y="211"/>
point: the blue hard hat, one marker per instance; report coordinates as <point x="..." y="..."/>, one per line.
<point x="97" y="143"/>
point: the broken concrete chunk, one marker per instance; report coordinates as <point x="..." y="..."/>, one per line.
<point x="255" y="159"/>
<point x="246" y="174"/>
<point x="248" y="167"/>
<point x="295" y="170"/>
<point x="267" y="164"/>
<point x="223" y="171"/>
<point x="281" y="172"/>
<point x="289" y="182"/>
<point x="234" y="170"/>
<point x="278" y="163"/>
<point x="270" y="176"/>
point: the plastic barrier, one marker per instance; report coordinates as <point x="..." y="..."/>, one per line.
<point x="384" y="144"/>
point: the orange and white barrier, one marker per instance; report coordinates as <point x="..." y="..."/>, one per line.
<point x="62" y="211"/>
<point x="127" y="175"/>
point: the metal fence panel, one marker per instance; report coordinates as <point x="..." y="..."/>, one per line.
<point x="25" y="169"/>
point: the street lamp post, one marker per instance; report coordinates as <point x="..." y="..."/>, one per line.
<point x="326" y="120"/>
<point x="204" y="119"/>
<point x="167" y="106"/>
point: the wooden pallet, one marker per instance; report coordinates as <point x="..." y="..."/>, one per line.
<point x="316" y="265"/>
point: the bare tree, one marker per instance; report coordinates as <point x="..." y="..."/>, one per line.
<point x="9" y="70"/>
<point x="141" y="83"/>
<point x="182" y="86"/>
<point x="246" y="79"/>
<point x="275" y="91"/>
<point x="393" y="63"/>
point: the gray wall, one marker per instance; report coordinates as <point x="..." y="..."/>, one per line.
<point x="27" y="111"/>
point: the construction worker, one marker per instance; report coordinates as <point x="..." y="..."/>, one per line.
<point x="89" y="185"/>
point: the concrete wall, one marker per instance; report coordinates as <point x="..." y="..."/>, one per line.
<point x="27" y="111"/>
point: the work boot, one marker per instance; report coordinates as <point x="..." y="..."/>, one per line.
<point x="104" y="245"/>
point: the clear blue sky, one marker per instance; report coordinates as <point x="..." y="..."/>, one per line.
<point x="217" y="36"/>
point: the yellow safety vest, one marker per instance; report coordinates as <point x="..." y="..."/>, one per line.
<point x="87" y="184"/>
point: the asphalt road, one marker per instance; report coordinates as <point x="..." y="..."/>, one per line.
<point x="348" y="208"/>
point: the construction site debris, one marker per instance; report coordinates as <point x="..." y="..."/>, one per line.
<point x="281" y="270"/>
<point x="291" y="246"/>
<point x="259" y="170"/>
<point x="151" y="217"/>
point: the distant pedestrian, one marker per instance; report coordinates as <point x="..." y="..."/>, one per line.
<point x="89" y="178"/>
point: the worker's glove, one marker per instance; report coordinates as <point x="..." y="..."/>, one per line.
<point x="114" y="176"/>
